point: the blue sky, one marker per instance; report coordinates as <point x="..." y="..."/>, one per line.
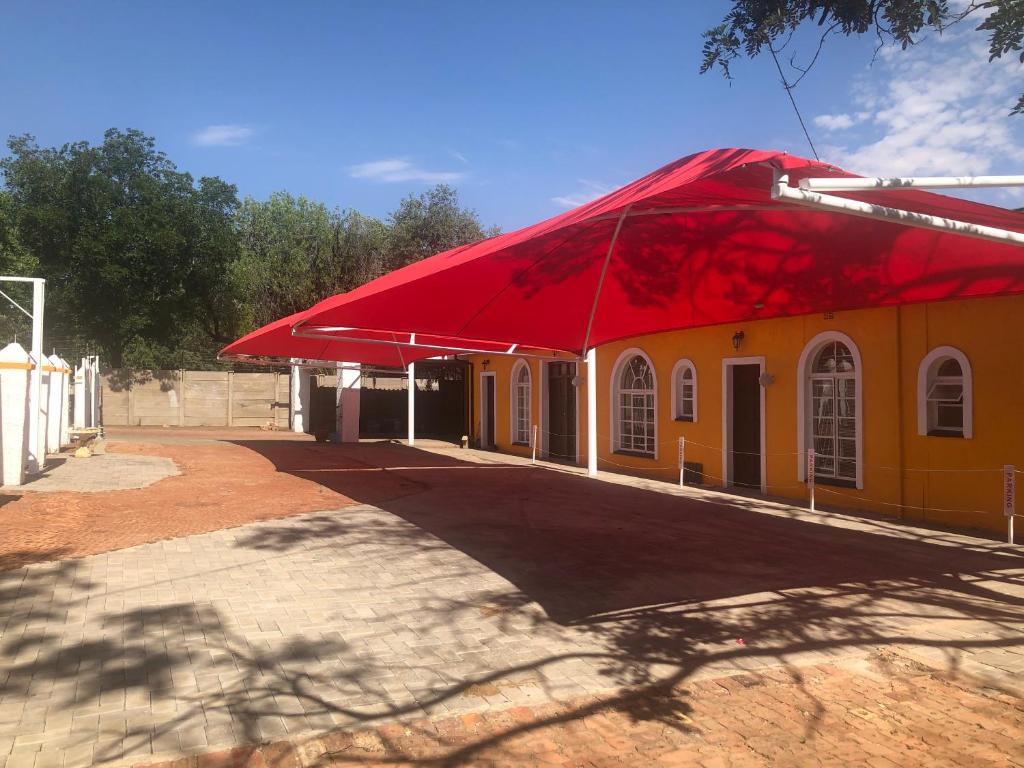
<point x="526" y="107"/>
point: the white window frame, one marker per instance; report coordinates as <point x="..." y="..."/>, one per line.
<point x="615" y="391"/>
<point x="677" y="372"/>
<point x="514" y="402"/>
<point x="925" y="374"/>
<point x="807" y="358"/>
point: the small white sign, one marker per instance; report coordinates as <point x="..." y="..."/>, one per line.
<point x="1009" y="489"/>
<point x="810" y="466"/>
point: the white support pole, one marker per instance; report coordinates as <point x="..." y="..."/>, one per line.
<point x="592" y="411"/>
<point x="781" y="190"/>
<point x="351" y="388"/>
<point x="682" y="461"/>
<point x="36" y="438"/>
<point x="1009" y="498"/>
<point x="412" y="404"/>
<point x="810" y="476"/>
<point x="533" y="445"/>
<point x="298" y="400"/>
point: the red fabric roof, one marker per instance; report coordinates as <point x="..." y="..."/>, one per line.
<point x="731" y="254"/>
<point x="275" y="340"/>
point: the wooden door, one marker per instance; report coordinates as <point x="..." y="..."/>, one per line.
<point x="746" y="425"/>
<point x="561" y="423"/>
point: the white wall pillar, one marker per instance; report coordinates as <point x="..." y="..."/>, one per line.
<point x="592" y="411"/>
<point x="94" y="391"/>
<point x="298" y="401"/>
<point x="79" y="384"/>
<point x="412" y="404"/>
<point x="55" y="370"/>
<point x="65" y="403"/>
<point x="14" y="414"/>
<point x="351" y="378"/>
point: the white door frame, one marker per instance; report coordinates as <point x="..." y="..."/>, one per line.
<point x="727" y="464"/>
<point x="488" y="410"/>
<point x="542" y="418"/>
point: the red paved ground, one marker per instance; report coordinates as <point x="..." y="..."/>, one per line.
<point x="221" y="485"/>
<point x="900" y="714"/>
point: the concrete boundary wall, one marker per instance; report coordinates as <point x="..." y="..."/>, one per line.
<point x="195" y="398"/>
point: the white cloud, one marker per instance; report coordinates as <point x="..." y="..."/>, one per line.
<point x="835" y="122"/>
<point x="591" y="190"/>
<point x="938" y="108"/>
<point x="397" y="169"/>
<point x="458" y="156"/>
<point x="222" y="136"/>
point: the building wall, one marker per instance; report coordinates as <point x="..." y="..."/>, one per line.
<point x="904" y="474"/>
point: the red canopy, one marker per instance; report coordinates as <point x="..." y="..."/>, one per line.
<point x="275" y="343"/>
<point x="700" y="242"/>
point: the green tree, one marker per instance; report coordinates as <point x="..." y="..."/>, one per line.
<point x="429" y="223"/>
<point x="752" y="25"/>
<point x="136" y="254"/>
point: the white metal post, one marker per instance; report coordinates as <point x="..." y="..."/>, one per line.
<point x="295" y="403"/>
<point x="36" y="440"/>
<point x="1009" y="498"/>
<point x="533" y="445"/>
<point x="682" y="461"/>
<point x="810" y="476"/>
<point x="412" y="404"/>
<point x="592" y="411"/>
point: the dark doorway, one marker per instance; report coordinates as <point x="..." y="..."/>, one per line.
<point x="487" y="412"/>
<point x="746" y="425"/>
<point x="440" y="401"/>
<point x="561" y="426"/>
<point x="323" y="406"/>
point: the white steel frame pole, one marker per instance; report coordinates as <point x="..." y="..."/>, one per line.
<point x="36" y="459"/>
<point x="592" y="411"/>
<point x="412" y="404"/>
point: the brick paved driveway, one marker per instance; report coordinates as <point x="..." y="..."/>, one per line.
<point x="473" y="584"/>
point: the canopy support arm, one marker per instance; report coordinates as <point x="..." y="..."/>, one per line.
<point x="781" y="190"/>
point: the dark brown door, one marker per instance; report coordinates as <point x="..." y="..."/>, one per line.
<point x="746" y="425"/>
<point x="488" y="419"/>
<point x="561" y="425"/>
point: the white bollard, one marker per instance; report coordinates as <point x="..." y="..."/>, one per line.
<point x="682" y="461"/>
<point x="533" y="445"/>
<point x="14" y="381"/>
<point x="54" y="367"/>
<point x="1009" y="498"/>
<point x="810" y="476"/>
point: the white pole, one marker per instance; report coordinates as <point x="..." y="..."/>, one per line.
<point x="682" y="460"/>
<point x="810" y="475"/>
<point x="297" y="412"/>
<point x="533" y="446"/>
<point x="36" y="440"/>
<point x="1009" y="498"/>
<point x="592" y="411"/>
<point x="412" y="404"/>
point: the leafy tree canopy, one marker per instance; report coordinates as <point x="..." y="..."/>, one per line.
<point x="753" y="25"/>
<point x="134" y="252"/>
<point x="155" y="270"/>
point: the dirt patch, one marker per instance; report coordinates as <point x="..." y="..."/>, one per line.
<point x="221" y="485"/>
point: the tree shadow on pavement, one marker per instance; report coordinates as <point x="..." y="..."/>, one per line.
<point x="656" y="590"/>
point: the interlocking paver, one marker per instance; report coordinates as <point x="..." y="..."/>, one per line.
<point x="473" y="596"/>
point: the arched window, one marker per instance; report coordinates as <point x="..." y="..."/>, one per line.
<point x="944" y="394"/>
<point x="830" y="409"/>
<point x="684" y="391"/>
<point x="521" y="398"/>
<point x="634" y="405"/>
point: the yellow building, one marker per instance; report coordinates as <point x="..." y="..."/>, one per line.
<point x="912" y="411"/>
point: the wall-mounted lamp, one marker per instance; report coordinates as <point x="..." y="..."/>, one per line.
<point x="737" y="339"/>
<point x="485" y="363"/>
